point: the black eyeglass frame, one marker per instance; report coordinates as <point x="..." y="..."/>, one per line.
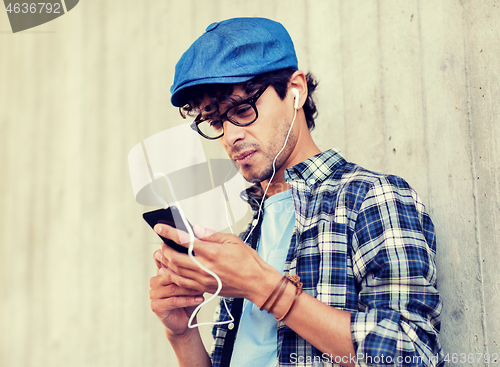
<point x="224" y="117"/>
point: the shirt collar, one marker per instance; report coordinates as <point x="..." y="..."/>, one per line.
<point x="313" y="171"/>
<point x="316" y="169"/>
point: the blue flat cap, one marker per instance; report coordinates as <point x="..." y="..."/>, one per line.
<point x="233" y="51"/>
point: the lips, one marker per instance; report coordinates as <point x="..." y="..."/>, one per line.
<point x="244" y="157"/>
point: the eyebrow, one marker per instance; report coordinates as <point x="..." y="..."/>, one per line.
<point x="240" y="99"/>
<point x="232" y="100"/>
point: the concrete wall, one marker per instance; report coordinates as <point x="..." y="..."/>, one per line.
<point x="406" y="87"/>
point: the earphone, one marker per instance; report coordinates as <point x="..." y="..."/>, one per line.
<point x="296" y="96"/>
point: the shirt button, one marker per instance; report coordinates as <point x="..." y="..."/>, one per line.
<point x="211" y="27"/>
<point x="254" y="222"/>
<point x="312" y="181"/>
<point x="230" y="326"/>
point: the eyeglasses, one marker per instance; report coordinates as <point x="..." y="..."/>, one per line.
<point x="243" y="114"/>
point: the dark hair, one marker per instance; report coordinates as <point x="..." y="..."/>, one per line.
<point x="219" y="93"/>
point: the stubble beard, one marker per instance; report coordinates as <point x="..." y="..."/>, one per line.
<point x="266" y="172"/>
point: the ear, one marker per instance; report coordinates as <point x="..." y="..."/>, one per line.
<point x="299" y="82"/>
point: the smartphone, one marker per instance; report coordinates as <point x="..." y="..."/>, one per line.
<point x="172" y="217"/>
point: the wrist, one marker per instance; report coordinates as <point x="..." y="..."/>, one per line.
<point x="189" y="349"/>
<point x="297" y="291"/>
<point x="264" y="285"/>
<point x="178" y="338"/>
<point x="280" y="301"/>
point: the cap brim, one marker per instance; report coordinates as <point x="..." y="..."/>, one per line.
<point x="181" y="96"/>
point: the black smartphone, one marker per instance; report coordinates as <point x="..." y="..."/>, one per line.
<point x="172" y="217"/>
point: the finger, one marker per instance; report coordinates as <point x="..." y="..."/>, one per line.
<point x="199" y="282"/>
<point x="201" y="232"/>
<point x="205" y="253"/>
<point x="160" y="272"/>
<point x="170" y="281"/>
<point x="168" y="304"/>
<point x="172" y="290"/>
<point x="173" y="257"/>
<point x="180" y="275"/>
<point x="218" y="237"/>
<point x="210" y="235"/>
<point x="163" y="279"/>
<point x="168" y="277"/>
<point x="159" y="259"/>
<point x="174" y="234"/>
<point x="179" y="266"/>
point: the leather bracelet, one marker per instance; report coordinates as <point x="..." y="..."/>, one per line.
<point x="273" y="292"/>
<point x="280" y="293"/>
<point x="295" y="279"/>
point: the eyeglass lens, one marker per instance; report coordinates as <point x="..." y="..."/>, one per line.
<point x="241" y="115"/>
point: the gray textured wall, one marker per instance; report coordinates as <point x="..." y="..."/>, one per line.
<point x="406" y="87"/>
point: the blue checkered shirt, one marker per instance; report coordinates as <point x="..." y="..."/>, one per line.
<point x="363" y="243"/>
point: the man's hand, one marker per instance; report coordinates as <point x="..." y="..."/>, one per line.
<point x="172" y="304"/>
<point x="239" y="267"/>
<point x="244" y="274"/>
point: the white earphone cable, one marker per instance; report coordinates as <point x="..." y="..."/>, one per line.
<point x="274" y="172"/>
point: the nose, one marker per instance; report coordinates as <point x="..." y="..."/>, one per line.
<point x="233" y="134"/>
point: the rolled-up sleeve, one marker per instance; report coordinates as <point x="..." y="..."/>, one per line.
<point x="393" y="258"/>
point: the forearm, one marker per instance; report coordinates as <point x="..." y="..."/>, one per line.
<point x="189" y="349"/>
<point x="326" y="328"/>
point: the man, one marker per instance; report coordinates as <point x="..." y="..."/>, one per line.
<point x="358" y="243"/>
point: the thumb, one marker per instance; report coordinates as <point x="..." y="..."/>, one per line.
<point x="210" y="235"/>
<point x="202" y="232"/>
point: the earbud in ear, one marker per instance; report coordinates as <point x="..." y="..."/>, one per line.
<point x="295" y="93"/>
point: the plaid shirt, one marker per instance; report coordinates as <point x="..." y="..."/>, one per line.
<point x="362" y="243"/>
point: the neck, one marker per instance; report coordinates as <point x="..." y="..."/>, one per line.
<point x="303" y="149"/>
